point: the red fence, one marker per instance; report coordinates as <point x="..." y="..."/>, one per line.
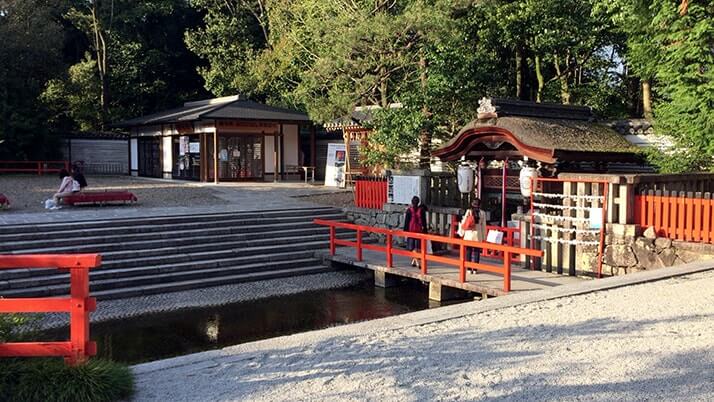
<point x="370" y="192"/>
<point x="678" y="216"/>
<point x="509" y="237"/>
<point x="38" y="167"/>
<point x="460" y="262"/>
<point x="78" y="305"/>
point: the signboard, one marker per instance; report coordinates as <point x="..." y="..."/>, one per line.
<point x="401" y="189"/>
<point x="194" y="147"/>
<point x="335" y="168"/>
<point x="183" y="145"/>
<point x="595" y="218"/>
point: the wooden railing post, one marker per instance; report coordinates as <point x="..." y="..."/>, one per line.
<point x="506" y="271"/>
<point x="390" y="259"/>
<point x="423" y="255"/>
<point x="79" y="316"/>
<point x="359" y="245"/>
<point x="462" y="263"/>
<point x="332" y="240"/>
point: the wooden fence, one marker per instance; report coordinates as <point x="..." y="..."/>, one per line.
<point x="685" y="216"/>
<point x="78" y="305"/>
<point x="370" y="192"/>
<point x="38" y="167"/>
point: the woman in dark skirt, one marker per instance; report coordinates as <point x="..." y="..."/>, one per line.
<point x="415" y="221"/>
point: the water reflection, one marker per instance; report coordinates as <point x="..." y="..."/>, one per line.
<point x="165" y="335"/>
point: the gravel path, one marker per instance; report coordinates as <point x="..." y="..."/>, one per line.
<point x="27" y="193"/>
<point x="653" y="341"/>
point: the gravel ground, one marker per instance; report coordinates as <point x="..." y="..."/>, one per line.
<point x="653" y="341"/>
<point x="27" y="193"/>
<point x="338" y="199"/>
<point x="209" y="297"/>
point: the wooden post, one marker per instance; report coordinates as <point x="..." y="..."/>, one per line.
<point x="462" y="263"/>
<point x="79" y="316"/>
<point x="275" y="157"/>
<point x="215" y="157"/>
<point x="359" y="245"/>
<point x="313" y="148"/>
<point x="390" y="258"/>
<point x="507" y="271"/>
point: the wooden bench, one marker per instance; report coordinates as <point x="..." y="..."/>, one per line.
<point x="99" y="197"/>
<point x="4" y="202"/>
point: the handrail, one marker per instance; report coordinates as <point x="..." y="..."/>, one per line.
<point x="78" y="349"/>
<point x="38" y="167"/>
<point x="461" y="262"/>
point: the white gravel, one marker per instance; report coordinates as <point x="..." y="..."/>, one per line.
<point x="653" y="341"/>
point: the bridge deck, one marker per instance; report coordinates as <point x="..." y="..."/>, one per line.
<point x="522" y="280"/>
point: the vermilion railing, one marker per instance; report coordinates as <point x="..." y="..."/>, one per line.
<point x="460" y="262"/>
<point x="38" y="167"/>
<point x="370" y="192"/>
<point x="78" y="305"/>
<point x="677" y="216"/>
<point x="509" y="237"/>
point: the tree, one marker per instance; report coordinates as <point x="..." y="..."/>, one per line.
<point x="29" y="56"/>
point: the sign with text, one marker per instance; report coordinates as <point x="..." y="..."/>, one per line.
<point x="335" y="167"/>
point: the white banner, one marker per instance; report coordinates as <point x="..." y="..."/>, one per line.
<point x="336" y="165"/>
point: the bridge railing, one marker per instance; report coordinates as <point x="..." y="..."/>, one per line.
<point x="78" y="305"/>
<point x="504" y="269"/>
<point x="39" y="167"/>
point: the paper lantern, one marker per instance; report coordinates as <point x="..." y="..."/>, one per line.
<point x="465" y="176"/>
<point x="524" y="178"/>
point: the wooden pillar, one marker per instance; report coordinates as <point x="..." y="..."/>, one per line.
<point x="275" y="155"/>
<point x="215" y="157"/>
<point x="281" y="153"/>
<point x="313" y="146"/>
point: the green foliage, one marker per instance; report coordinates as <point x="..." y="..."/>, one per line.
<point x="45" y="380"/>
<point x="76" y="98"/>
<point x="396" y="134"/>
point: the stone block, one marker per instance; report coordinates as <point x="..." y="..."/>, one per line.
<point x="385" y="280"/>
<point x="647" y="259"/>
<point x="643" y="242"/>
<point x="668" y="256"/>
<point x="688" y="256"/>
<point x="662" y="243"/>
<point x="381" y="218"/>
<point x="620" y="256"/>
<point x="650" y="233"/>
<point x="620" y="230"/>
<point x="439" y="292"/>
<point x="393" y="220"/>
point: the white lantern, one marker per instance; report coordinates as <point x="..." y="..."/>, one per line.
<point x="527" y="173"/>
<point x="465" y="176"/>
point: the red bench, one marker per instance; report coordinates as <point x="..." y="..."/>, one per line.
<point x="4" y="202"/>
<point x="99" y="197"/>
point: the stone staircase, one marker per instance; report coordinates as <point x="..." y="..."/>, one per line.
<point x="152" y="255"/>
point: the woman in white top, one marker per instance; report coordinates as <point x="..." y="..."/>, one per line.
<point x="473" y="227"/>
<point x="68" y="186"/>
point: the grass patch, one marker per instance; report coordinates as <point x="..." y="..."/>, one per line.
<point x="30" y="380"/>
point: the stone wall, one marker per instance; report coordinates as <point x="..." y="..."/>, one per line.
<point x="630" y="249"/>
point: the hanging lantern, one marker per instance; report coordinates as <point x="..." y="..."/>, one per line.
<point x="527" y="173"/>
<point x="465" y="176"/>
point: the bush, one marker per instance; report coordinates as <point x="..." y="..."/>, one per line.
<point x="51" y="380"/>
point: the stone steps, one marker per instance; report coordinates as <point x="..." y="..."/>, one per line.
<point x="154" y="255"/>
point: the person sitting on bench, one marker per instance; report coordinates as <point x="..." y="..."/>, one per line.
<point x="79" y="177"/>
<point x="68" y="186"/>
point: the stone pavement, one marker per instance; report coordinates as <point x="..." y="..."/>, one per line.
<point x="643" y="336"/>
<point x="240" y="196"/>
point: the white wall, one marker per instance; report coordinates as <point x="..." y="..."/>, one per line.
<point x="134" y="155"/>
<point x="166" y="150"/>
<point x="268" y="153"/>
<point x="290" y="145"/>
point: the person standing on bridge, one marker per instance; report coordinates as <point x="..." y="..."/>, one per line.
<point x="415" y="221"/>
<point x="473" y="227"/>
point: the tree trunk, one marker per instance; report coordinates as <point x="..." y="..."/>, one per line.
<point x="383" y="88"/>
<point x="563" y="78"/>
<point x="541" y="81"/>
<point x="425" y="134"/>
<point x="647" y="99"/>
<point x="100" y="46"/>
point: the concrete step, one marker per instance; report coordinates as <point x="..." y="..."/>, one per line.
<point x="186" y="227"/>
<point x="170" y="236"/>
<point x="238" y="240"/>
<point x="158" y="267"/>
<point x="46" y="290"/>
<point x="191" y="253"/>
<point x="174" y="286"/>
<point x="161" y="220"/>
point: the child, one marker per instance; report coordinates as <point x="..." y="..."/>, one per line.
<point x="415" y="221"/>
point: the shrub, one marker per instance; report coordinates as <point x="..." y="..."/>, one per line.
<point x="51" y="380"/>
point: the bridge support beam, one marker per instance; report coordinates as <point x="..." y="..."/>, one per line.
<point x="385" y="280"/>
<point x="439" y="292"/>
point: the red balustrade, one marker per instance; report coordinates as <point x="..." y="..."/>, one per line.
<point x="677" y="217"/>
<point x="78" y="349"/>
<point x="39" y="167"/>
<point x="460" y="261"/>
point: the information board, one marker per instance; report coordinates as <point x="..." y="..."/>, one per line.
<point x="335" y="167"/>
